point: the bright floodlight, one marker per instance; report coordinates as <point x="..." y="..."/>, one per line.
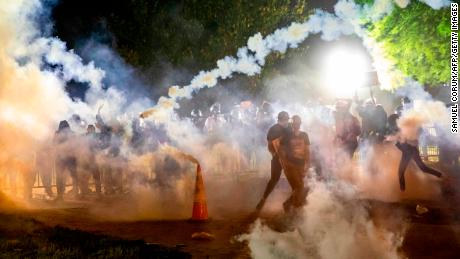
<point x="344" y="72"/>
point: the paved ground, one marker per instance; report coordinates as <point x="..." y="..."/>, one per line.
<point x="435" y="234"/>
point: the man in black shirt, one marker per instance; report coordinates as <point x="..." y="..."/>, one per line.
<point x="276" y="131"/>
<point x="373" y="121"/>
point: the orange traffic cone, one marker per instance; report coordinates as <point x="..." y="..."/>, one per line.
<point x="200" y="209"/>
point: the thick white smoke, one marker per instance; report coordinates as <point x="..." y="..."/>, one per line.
<point x="27" y="46"/>
<point x="44" y="64"/>
<point x="34" y="72"/>
<point x="333" y="224"/>
<point x="437" y="4"/>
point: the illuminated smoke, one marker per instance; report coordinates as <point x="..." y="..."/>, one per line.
<point x="34" y="71"/>
<point x="437" y="4"/>
<point x="345" y="21"/>
<point x="333" y="224"/>
<point x="30" y="99"/>
<point x="72" y="67"/>
<point x="30" y="50"/>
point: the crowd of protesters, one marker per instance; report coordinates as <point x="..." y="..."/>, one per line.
<point x="285" y="139"/>
<point x="98" y="155"/>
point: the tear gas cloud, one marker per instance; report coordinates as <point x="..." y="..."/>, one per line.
<point x="333" y="225"/>
<point x="35" y="68"/>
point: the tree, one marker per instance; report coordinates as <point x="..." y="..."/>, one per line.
<point x="196" y="32"/>
<point x="192" y="34"/>
<point x="417" y="39"/>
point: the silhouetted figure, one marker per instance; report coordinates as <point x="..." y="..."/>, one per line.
<point x="265" y="117"/>
<point x="407" y="142"/>
<point x="65" y="160"/>
<point x="215" y="122"/>
<point x="89" y="165"/>
<point x="373" y="121"/>
<point x="45" y="166"/>
<point x="197" y="118"/>
<point x="410" y="151"/>
<point x="276" y="131"/>
<point x="346" y="127"/>
<point x="294" y="153"/>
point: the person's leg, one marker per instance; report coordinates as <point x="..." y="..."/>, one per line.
<point x="46" y="180"/>
<point x="29" y="179"/>
<point x="60" y="178"/>
<point x="118" y="179"/>
<point x="83" y="178"/>
<point x="399" y="145"/>
<point x="423" y="166"/>
<point x="299" y="187"/>
<point x="108" y="180"/>
<point x="97" y="178"/>
<point x="72" y="166"/>
<point x="405" y="158"/>
<point x="104" y="172"/>
<point x="294" y="176"/>
<point x="45" y="169"/>
<point x="289" y="173"/>
<point x="274" y="178"/>
<point x="352" y="149"/>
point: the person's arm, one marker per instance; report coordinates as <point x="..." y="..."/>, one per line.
<point x="358" y="126"/>
<point x="307" y="157"/>
<point x="270" y="138"/>
<point x="99" y="120"/>
<point x="270" y="147"/>
<point x="361" y="110"/>
<point x="355" y="128"/>
<point x="307" y="152"/>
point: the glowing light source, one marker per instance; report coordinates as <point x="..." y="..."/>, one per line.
<point x="344" y="72"/>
